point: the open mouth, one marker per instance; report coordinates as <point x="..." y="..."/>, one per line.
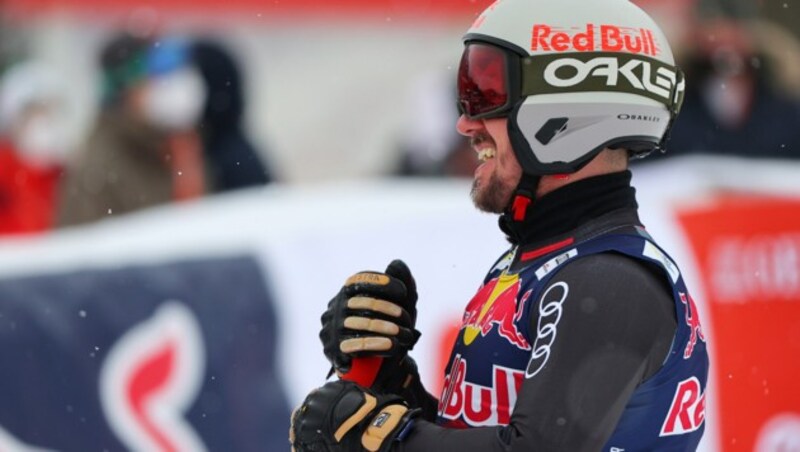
<point x="484" y="146"/>
<point x="486" y="153"/>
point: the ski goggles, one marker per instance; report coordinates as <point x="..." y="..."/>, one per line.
<point x="491" y="79"/>
<point x="487" y="78"/>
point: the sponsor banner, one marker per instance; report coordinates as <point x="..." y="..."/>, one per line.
<point x="448" y="246"/>
<point x="748" y="251"/>
<point x="168" y="357"/>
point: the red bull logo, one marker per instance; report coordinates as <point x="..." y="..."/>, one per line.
<point x="688" y="409"/>
<point x="594" y="37"/>
<point x="495" y="304"/>
<point x="468" y="404"/>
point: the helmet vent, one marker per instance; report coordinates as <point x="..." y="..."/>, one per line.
<point x="551" y="129"/>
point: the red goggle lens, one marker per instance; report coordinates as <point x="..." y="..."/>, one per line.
<point x="482" y="80"/>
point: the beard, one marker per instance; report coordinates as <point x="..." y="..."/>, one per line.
<point x="494" y="197"/>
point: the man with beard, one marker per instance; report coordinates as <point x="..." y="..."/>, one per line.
<point x="583" y="336"/>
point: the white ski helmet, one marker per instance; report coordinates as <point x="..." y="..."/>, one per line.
<point x="573" y="77"/>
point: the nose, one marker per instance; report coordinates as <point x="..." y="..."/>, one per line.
<point x="468" y="127"/>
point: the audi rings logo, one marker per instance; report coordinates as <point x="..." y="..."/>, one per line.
<point x="546" y="328"/>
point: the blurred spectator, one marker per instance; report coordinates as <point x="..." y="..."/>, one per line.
<point x="733" y="105"/>
<point x="432" y="146"/>
<point x="32" y="147"/>
<point x="233" y="161"/>
<point x="143" y="150"/>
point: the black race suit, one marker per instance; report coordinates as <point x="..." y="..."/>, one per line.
<point x="582" y="337"/>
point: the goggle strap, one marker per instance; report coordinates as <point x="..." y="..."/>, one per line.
<point x="580" y="72"/>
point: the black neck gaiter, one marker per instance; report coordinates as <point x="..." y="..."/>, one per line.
<point x="569" y="207"/>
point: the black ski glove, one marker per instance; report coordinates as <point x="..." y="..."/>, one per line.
<point x="344" y="417"/>
<point x="372" y="315"/>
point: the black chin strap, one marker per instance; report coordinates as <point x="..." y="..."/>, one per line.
<point x="519" y="206"/>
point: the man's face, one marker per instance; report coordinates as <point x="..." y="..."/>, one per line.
<point x="500" y="173"/>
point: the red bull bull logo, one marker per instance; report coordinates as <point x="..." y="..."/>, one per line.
<point x="495" y="304"/>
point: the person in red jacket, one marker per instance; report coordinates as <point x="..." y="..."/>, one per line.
<point x="32" y="145"/>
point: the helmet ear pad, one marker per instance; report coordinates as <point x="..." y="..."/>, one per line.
<point x="551" y="136"/>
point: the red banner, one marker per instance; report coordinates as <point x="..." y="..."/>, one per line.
<point x="748" y="252"/>
<point x="343" y="9"/>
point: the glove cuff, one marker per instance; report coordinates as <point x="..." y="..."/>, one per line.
<point x="391" y="424"/>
